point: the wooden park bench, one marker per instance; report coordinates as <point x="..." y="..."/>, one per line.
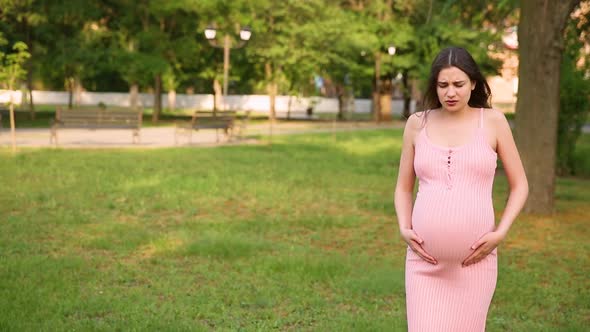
<point x="226" y="121"/>
<point x="97" y="118"/>
<point x="297" y="115"/>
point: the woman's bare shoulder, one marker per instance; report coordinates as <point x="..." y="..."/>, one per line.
<point x="415" y="121"/>
<point x="495" y="117"/>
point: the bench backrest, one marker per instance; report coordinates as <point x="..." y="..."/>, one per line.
<point x="208" y="119"/>
<point x="98" y="118"/>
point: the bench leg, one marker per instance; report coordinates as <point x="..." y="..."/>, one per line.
<point x="229" y="133"/>
<point x="181" y="131"/>
<point x="334" y="129"/>
<point x="135" y="139"/>
<point x="53" y="136"/>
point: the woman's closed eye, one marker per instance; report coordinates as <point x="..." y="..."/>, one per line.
<point x="456" y="84"/>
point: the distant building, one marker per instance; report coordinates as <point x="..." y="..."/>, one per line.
<point x="505" y="86"/>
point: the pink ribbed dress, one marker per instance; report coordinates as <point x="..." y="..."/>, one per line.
<point x="453" y="209"/>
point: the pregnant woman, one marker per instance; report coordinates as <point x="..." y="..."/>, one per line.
<point x="452" y="148"/>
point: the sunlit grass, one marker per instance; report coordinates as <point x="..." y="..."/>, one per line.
<point x="300" y="235"/>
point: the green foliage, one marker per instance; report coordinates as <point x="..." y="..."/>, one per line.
<point x="128" y="42"/>
<point x="574" y="100"/>
<point x="11" y="65"/>
<point x="291" y="38"/>
<point x="457" y="23"/>
<point x="581" y="156"/>
<point x="574" y="108"/>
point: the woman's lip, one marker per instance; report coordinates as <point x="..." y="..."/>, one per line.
<point x="451" y="102"/>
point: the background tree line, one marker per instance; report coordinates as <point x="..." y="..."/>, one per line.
<point x="158" y="45"/>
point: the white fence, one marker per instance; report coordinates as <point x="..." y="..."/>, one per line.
<point x="256" y="103"/>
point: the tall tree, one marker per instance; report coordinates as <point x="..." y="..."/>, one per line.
<point x="69" y="35"/>
<point x="540" y="37"/>
<point x="295" y="40"/>
<point x="129" y="56"/>
<point x="342" y="58"/>
<point x="11" y="70"/>
<point x="173" y="40"/>
<point x="379" y="20"/>
<point x="419" y="29"/>
<point x="474" y="25"/>
<point x="270" y="45"/>
<point x="154" y="41"/>
<point x="22" y="19"/>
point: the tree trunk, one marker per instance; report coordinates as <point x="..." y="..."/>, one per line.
<point x="70" y="84"/>
<point x="172" y="100"/>
<point x="157" y="98"/>
<point x="77" y="91"/>
<point x="133" y="96"/>
<point x="540" y="36"/>
<point x="216" y="96"/>
<point x="271" y="89"/>
<point x="376" y="110"/>
<point x="272" y="92"/>
<point x="32" y="114"/>
<point x="341" y="107"/>
<point x="289" y="106"/>
<point x="385" y="96"/>
<point x="341" y="94"/>
<point x="12" y="121"/>
<point x="29" y="68"/>
<point x="407" y="92"/>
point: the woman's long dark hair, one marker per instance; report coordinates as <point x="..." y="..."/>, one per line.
<point x="460" y="58"/>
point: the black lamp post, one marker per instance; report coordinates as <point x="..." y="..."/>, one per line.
<point x="211" y="32"/>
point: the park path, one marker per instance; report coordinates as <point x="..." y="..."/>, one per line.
<point x="163" y="137"/>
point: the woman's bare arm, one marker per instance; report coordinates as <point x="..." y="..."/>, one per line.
<point x="406" y="177"/>
<point x="404" y="190"/>
<point x="517" y="181"/>
<point x="519" y="188"/>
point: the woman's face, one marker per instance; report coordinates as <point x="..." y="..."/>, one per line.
<point x="453" y="88"/>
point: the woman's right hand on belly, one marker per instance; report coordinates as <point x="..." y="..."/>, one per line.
<point x="415" y="243"/>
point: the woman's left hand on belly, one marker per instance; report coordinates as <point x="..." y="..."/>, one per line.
<point x="483" y="247"/>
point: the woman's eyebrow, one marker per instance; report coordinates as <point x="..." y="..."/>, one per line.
<point x="453" y="82"/>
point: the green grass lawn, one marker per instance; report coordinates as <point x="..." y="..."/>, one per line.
<point x="300" y="236"/>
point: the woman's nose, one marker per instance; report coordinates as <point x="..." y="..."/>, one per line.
<point x="451" y="91"/>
